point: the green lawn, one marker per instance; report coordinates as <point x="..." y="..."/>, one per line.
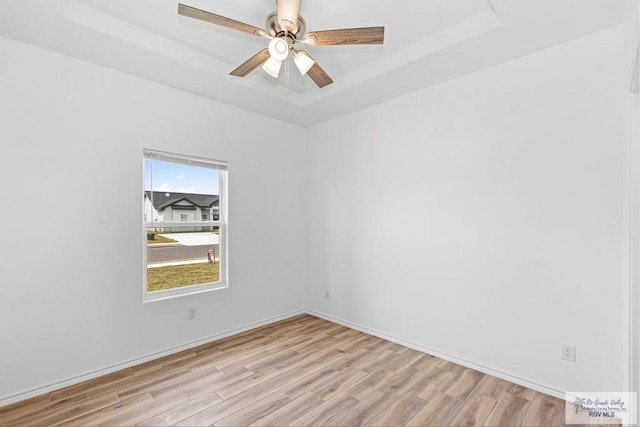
<point x="178" y="276"/>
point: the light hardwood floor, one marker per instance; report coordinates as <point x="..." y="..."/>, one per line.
<point x="301" y="371"/>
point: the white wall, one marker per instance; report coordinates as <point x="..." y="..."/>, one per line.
<point x="483" y="218"/>
<point x="72" y="136"/>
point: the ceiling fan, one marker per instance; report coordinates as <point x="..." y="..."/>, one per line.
<point x="286" y="28"/>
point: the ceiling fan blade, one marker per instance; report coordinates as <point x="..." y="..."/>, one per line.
<point x="251" y="64"/>
<point x="203" y="15"/>
<point x="288" y="11"/>
<point x="319" y="76"/>
<point x="366" y="35"/>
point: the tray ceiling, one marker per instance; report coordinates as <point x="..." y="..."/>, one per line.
<point x="426" y="42"/>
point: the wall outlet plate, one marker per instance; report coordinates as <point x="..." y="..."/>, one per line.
<point x="569" y="352"/>
<point x="191" y="313"/>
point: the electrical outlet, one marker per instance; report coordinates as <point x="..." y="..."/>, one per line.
<point x="191" y="313"/>
<point x="326" y="293"/>
<point x="569" y="352"/>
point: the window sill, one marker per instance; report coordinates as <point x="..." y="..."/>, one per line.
<point x="181" y="292"/>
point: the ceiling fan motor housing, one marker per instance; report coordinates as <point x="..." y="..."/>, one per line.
<point x="274" y="28"/>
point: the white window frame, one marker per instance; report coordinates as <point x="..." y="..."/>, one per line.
<point x="221" y="223"/>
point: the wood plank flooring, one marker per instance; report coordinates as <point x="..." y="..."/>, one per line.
<point x="299" y="372"/>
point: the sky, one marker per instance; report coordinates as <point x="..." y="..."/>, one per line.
<point x="179" y="178"/>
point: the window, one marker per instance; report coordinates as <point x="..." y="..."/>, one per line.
<point x="184" y="251"/>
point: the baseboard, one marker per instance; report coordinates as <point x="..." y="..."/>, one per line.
<point x="133" y="362"/>
<point x="466" y="363"/>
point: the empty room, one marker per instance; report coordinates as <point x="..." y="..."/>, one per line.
<point x="311" y="212"/>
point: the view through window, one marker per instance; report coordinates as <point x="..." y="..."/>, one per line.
<point x="184" y="220"/>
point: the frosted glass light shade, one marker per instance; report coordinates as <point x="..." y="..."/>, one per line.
<point x="272" y="67"/>
<point x="303" y="61"/>
<point x="278" y="49"/>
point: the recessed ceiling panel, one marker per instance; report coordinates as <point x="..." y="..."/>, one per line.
<point x="426" y="41"/>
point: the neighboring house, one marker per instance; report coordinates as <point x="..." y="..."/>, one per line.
<point x="180" y="207"/>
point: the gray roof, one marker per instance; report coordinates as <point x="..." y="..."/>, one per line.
<point x="163" y="199"/>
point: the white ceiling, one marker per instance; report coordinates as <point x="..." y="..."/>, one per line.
<point x="426" y="42"/>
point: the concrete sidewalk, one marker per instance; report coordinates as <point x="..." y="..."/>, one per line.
<point x="193" y="239"/>
<point x="184" y="262"/>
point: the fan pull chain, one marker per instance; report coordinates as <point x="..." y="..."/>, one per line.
<point x="286" y="66"/>
<point x="286" y="77"/>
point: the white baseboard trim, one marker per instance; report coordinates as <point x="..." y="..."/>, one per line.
<point x="48" y="388"/>
<point x="433" y="352"/>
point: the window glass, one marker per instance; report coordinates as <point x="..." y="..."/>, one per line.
<point x="184" y="202"/>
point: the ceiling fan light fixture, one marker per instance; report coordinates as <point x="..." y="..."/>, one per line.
<point x="272" y="67"/>
<point x="303" y="61"/>
<point x="278" y="49"/>
<point x="285" y="27"/>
